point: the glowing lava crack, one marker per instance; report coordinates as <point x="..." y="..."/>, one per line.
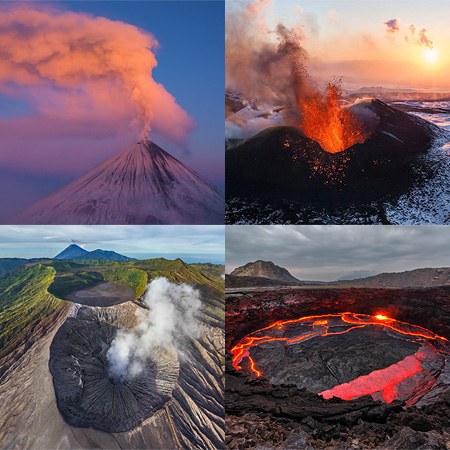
<point x="357" y="355"/>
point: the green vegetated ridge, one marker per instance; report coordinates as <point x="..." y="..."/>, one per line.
<point x="66" y="283"/>
<point x="24" y="303"/>
<point x="10" y="264"/>
<point x="79" y="274"/>
<point x="31" y="293"/>
<point x="137" y="279"/>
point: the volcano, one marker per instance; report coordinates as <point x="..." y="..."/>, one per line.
<point x="265" y="270"/>
<point x="74" y="251"/>
<point x="283" y="163"/>
<point x="142" y="185"/>
<point x="87" y="395"/>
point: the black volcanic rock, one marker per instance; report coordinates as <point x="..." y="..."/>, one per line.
<point x="74" y="251"/>
<point x="280" y="162"/>
<point x="266" y="270"/>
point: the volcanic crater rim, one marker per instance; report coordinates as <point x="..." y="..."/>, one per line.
<point x="87" y="394"/>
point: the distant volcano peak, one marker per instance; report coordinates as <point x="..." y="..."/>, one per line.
<point x="141" y="185"/>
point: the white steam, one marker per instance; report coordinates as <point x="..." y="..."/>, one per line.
<point x="169" y="320"/>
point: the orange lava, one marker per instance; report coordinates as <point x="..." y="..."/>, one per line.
<point x="384" y="380"/>
<point x="325" y="121"/>
<point x="320" y="326"/>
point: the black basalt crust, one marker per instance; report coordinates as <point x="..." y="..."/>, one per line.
<point x="87" y="396"/>
<point x="281" y="163"/>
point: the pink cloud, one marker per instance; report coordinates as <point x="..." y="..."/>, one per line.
<point x="83" y="76"/>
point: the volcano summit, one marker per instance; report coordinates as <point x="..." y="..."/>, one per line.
<point x="142" y="185"/>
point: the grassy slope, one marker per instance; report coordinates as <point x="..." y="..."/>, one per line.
<point x="31" y="293"/>
<point x="66" y="283"/>
<point x="10" y="264"/>
<point x="135" y="278"/>
<point x="24" y="302"/>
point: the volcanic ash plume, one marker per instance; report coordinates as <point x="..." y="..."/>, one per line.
<point x="269" y="67"/>
<point x="88" y="57"/>
<point x="169" y="320"/>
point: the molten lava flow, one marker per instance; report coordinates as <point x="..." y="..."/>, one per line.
<point x="384" y="380"/>
<point x="325" y="121"/>
<point x="288" y="332"/>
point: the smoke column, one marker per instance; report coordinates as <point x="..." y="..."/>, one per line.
<point x="169" y="320"/>
<point x="82" y="55"/>
<point x="262" y="64"/>
<point x="269" y="66"/>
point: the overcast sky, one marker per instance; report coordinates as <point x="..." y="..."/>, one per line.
<point x="191" y="243"/>
<point x="326" y="253"/>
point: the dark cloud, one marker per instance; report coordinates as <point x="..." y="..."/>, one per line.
<point x="392" y="26"/>
<point x="329" y="252"/>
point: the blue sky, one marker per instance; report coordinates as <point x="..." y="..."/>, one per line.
<point x="191" y="243"/>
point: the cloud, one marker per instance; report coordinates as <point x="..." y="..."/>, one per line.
<point x="392" y="26"/>
<point x="31" y="241"/>
<point x="328" y="252"/>
<point x="333" y="17"/>
<point x="424" y="39"/>
<point x="81" y="76"/>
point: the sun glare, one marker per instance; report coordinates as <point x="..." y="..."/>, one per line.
<point x="431" y="55"/>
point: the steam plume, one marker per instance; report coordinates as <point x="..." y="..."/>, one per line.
<point x="392" y="26"/>
<point x="169" y="320"/>
<point x="94" y="57"/>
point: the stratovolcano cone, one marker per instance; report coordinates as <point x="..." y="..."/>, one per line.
<point x="142" y="185"/>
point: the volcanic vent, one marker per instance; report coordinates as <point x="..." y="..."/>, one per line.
<point x="347" y="355"/>
<point x="87" y="391"/>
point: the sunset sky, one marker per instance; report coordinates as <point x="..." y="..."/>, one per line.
<point x="53" y="129"/>
<point x="349" y="39"/>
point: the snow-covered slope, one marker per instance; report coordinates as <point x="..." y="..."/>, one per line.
<point x="143" y="185"/>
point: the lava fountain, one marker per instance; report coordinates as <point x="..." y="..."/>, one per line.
<point x="346" y="355"/>
<point x="325" y="120"/>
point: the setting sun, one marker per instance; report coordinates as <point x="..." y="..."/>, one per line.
<point x="431" y="55"/>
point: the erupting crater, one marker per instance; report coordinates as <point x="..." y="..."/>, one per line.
<point x="326" y="121"/>
<point x="347" y="355"/>
<point x="87" y="394"/>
